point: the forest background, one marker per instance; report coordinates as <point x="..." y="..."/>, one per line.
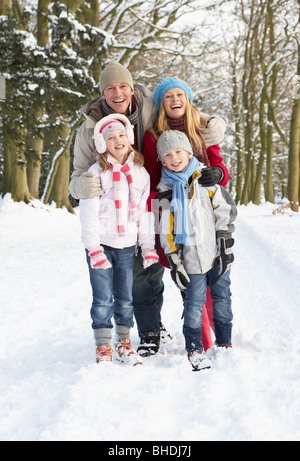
<point x="240" y="57"/>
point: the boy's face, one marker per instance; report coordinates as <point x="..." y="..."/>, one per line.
<point x="176" y="160"/>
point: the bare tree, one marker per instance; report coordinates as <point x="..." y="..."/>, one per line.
<point x="85" y="35"/>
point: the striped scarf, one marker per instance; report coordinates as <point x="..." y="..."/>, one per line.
<point x="119" y="194"/>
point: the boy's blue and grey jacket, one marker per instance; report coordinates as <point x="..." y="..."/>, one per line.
<point x="211" y="212"/>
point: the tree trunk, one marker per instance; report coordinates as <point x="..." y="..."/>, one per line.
<point x="294" y="150"/>
<point x="36" y="144"/>
<point x="269" y="191"/>
<point x="34" y="159"/>
<point x="248" y="101"/>
<point x="5" y="6"/>
<point x="57" y="188"/>
<point x="236" y="114"/>
<point x="260" y="166"/>
<point x="15" y="180"/>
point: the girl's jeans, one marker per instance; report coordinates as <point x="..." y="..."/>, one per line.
<point x="112" y="289"/>
<point x="194" y="299"/>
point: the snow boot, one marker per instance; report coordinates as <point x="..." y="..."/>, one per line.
<point x="126" y="353"/>
<point x="165" y="337"/>
<point x="199" y="360"/>
<point x="104" y="353"/>
<point x="149" y="343"/>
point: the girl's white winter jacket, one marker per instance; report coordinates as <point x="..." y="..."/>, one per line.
<point x="98" y="215"/>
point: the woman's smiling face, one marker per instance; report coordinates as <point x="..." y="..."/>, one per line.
<point x="174" y="101"/>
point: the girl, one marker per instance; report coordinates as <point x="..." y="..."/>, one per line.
<point x="111" y="227"/>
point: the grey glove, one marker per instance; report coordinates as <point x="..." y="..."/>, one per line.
<point x="87" y="186"/>
<point x="178" y="272"/>
<point x="214" y="132"/>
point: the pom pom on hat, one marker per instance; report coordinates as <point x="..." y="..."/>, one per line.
<point x="114" y="72"/>
<point x="167" y="84"/>
<point x="172" y="139"/>
<point x="109" y="124"/>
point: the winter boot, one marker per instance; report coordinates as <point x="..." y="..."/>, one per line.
<point x="149" y="343"/>
<point x="126" y="353"/>
<point x="199" y="360"/>
<point x="104" y="353"/>
<point x="165" y="337"/>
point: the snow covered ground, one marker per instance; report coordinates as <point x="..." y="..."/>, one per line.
<point x="51" y="389"/>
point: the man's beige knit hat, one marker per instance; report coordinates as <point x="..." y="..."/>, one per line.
<point x="114" y="72"/>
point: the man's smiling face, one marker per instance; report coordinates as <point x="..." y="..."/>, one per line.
<point x="118" y="96"/>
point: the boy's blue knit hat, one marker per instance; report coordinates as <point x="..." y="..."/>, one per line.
<point x="167" y="84"/>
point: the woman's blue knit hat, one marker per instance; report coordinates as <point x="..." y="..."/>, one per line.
<point x="167" y="84"/>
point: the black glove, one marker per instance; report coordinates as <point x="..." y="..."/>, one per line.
<point x="178" y="272"/>
<point x="210" y="176"/>
<point x="162" y="199"/>
<point x="225" y="256"/>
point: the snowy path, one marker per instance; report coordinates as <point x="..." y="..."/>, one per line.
<point x="51" y="389"/>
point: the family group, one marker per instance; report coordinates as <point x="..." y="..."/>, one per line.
<point x="150" y="182"/>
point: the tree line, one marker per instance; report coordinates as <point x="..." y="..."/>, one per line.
<point x="241" y="57"/>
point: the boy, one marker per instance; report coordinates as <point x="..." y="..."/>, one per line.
<point x="196" y="235"/>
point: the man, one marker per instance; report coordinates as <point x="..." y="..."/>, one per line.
<point x="119" y="94"/>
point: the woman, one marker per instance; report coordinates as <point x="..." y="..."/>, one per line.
<point x="173" y="99"/>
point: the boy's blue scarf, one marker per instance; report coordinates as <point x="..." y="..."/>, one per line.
<point x="179" y="180"/>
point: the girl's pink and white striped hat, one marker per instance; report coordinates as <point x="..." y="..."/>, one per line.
<point x="109" y="124"/>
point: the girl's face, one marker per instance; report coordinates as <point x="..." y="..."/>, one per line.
<point x="176" y="160"/>
<point x="118" y="146"/>
<point x="174" y="101"/>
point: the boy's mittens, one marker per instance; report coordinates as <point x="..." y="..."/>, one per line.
<point x="225" y="256"/>
<point x="178" y="272"/>
<point x="98" y="258"/>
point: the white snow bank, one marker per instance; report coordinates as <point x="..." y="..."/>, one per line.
<point x="51" y="389"/>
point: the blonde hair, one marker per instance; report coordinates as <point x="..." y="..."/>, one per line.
<point x="195" y="123"/>
<point x="138" y="159"/>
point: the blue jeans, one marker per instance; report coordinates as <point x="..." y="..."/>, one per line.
<point x="112" y="289"/>
<point x="148" y="288"/>
<point x="194" y="299"/>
